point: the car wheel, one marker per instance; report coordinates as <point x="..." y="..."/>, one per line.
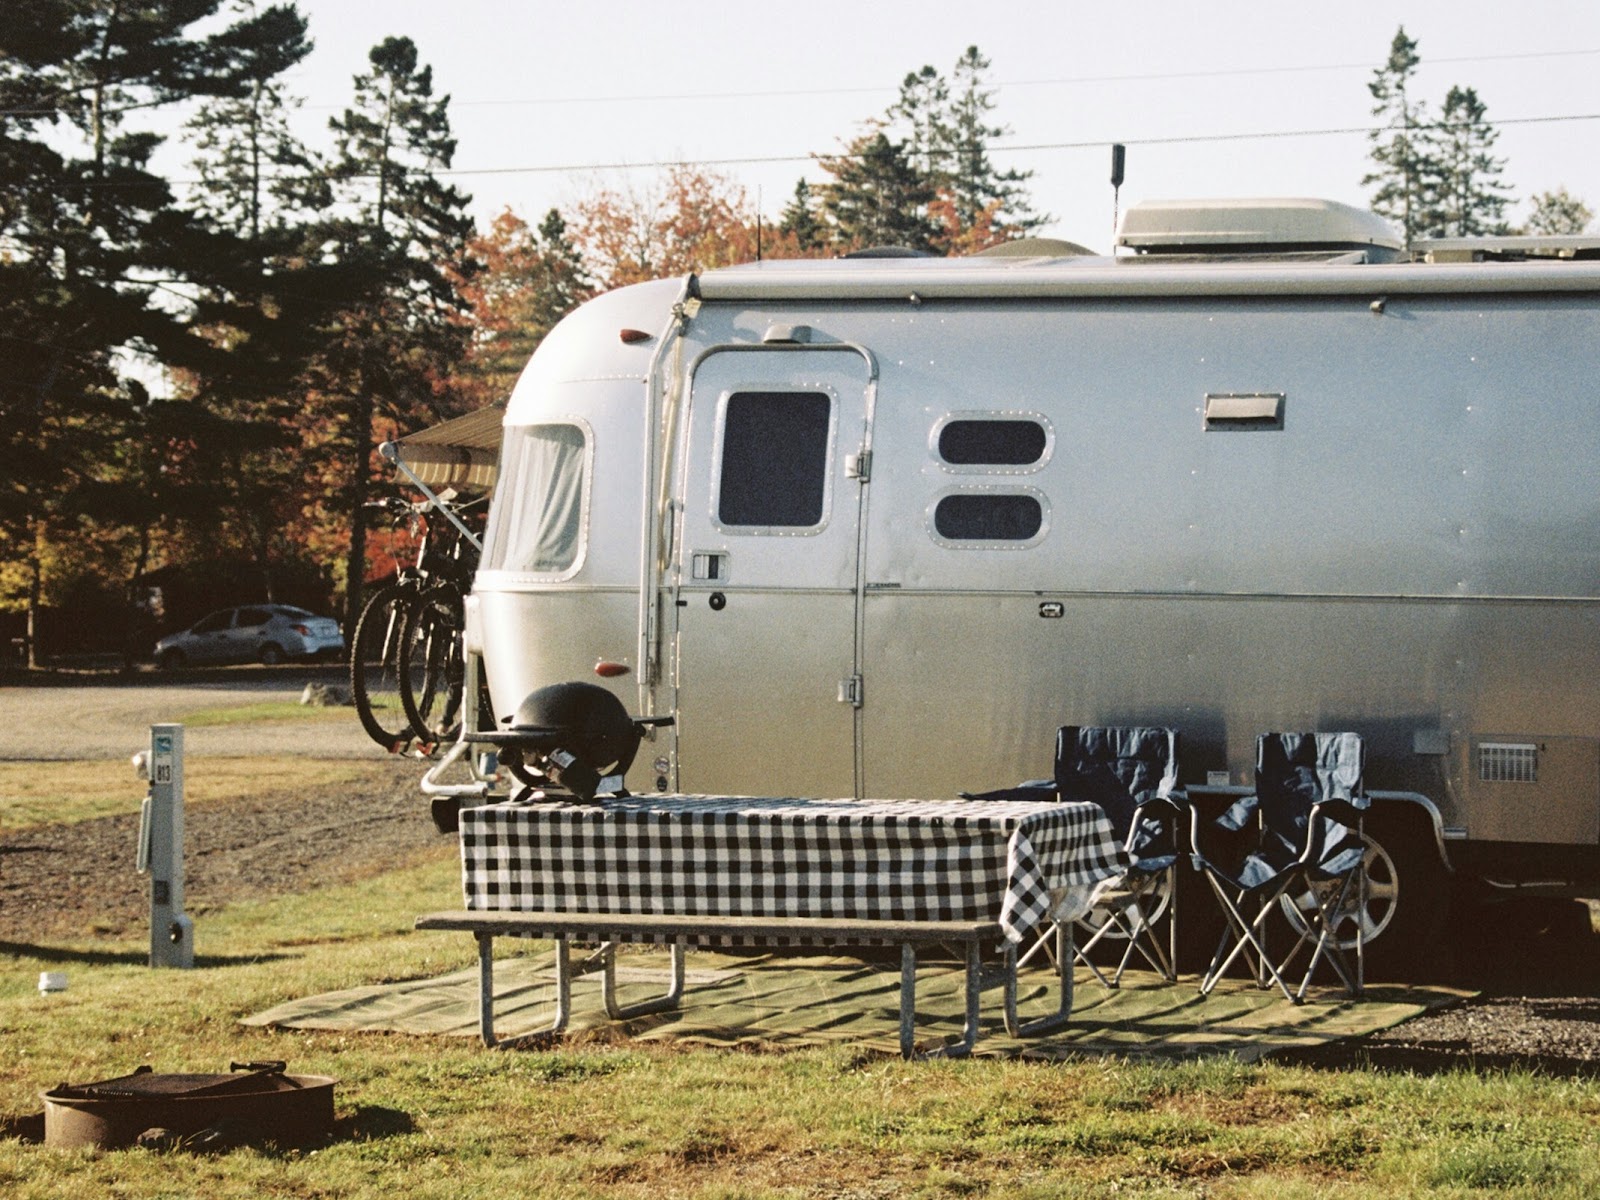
<point x="170" y="660"/>
<point x="271" y="654"/>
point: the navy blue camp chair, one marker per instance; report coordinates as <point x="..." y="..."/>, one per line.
<point x="1131" y="774"/>
<point x="1308" y="854"/>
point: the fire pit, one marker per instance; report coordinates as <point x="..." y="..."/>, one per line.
<point x="255" y="1101"/>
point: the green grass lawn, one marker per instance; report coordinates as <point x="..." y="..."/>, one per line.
<point x="598" y="1116"/>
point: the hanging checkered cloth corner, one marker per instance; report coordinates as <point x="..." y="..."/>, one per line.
<point x="1015" y="863"/>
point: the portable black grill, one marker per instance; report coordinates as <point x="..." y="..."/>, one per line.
<point x="566" y="738"/>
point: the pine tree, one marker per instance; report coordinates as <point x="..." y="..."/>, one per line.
<point x="949" y="128"/>
<point x="1406" y="176"/>
<point x="258" y="299"/>
<point x="1558" y="213"/>
<point x="800" y="221"/>
<point x="401" y="241"/>
<point x="90" y="237"/>
<point x="254" y="172"/>
<point x="877" y="197"/>
<point x="923" y="111"/>
<point x="1472" y="196"/>
<point x="976" y="186"/>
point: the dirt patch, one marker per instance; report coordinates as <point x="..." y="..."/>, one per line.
<point x="70" y="882"/>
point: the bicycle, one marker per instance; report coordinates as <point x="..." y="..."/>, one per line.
<point x="433" y="656"/>
<point x="381" y="686"/>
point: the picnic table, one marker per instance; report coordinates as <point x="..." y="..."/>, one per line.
<point x="740" y="870"/>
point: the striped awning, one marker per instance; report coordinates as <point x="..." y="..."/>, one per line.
<point x="462" y="453"/>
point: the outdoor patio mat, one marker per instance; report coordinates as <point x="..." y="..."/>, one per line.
<point x="779" y="1001"/>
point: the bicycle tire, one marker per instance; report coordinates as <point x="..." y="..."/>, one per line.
<point x="375" y="682"/>
<point x="433" y="665"/>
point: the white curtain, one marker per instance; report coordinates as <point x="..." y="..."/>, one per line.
<point x="537" y="522"/>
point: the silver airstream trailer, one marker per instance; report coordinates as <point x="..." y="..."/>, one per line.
<point x="878" y="526"/>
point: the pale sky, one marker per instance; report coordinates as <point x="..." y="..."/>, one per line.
<point x="1222" y="99"/>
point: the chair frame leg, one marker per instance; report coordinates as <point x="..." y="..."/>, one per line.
<point x="1245" y="935"/>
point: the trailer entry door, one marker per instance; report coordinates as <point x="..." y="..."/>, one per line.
<point x="772" y="492"/>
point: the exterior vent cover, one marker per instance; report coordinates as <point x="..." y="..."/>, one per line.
<point x="1253" y="226"/>
<point x="1508" y="762"/>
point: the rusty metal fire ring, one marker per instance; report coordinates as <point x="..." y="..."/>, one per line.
<point x="257" y="1101"/>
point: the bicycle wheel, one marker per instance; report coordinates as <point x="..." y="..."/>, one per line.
<point x="375" y="667"/>
<point x="432" y="664"/>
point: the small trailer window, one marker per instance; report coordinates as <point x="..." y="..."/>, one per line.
<point x="992" y="442"/>
<point x="774" y="459"/>
<point x="536" y="525"/>
<point x="979" y="517"/>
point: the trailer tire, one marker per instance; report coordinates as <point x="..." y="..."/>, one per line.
<point x="1407" y="904"/>
<point x="1416" y="947"/>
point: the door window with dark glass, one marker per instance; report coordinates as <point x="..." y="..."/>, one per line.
<point x="774" y="460"/>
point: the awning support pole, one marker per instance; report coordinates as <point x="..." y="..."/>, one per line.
<point x="391" y="452"/>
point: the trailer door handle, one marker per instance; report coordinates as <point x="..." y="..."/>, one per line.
<point x="850" y="691"/>
<point x="1243" y="410"/>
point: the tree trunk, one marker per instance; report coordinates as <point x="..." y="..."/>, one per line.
<point x="356" y="564"/>
<point x="35" y="589"/>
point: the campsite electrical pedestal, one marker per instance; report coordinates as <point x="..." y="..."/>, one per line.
<point x="161" y="849"/>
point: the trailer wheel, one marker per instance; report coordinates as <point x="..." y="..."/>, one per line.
<point x="1369" y="916"/>
<point x="1158" y="900"/>
<point x="1407" y="901"/>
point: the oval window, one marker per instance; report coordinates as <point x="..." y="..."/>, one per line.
<point x="988" y="517"/>
<point x="968" y="442"/>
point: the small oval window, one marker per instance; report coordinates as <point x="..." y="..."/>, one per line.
<point x="992" y="443"/>
<point x="988" y="517"/>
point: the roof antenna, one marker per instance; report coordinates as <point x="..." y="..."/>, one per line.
<point x="1119" y="159"/>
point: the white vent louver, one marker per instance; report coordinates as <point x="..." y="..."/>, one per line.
<point x="1508" y="762"/>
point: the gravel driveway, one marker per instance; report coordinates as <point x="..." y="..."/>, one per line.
<point x="109" y="717"/>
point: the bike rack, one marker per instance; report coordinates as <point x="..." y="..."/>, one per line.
<point x="482" y="780"/>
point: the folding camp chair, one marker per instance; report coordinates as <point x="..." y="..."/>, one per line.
<point x="1131" y="774"/>
<point x="1308" y="850"/>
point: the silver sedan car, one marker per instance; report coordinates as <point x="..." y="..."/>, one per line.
<point x="265" y="633"/>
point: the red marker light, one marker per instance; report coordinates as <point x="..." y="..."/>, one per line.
<point x="611" y="670"/>
<point x="630" y="336"/>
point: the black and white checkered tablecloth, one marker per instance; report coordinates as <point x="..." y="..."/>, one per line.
<point x="1015" y="863"/>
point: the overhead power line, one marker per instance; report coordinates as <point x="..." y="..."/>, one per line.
<point x="1063" y="81"/>
<point x="779" y="159"/>
<point x="1000" y="148"/>
<point x="787" y="93"/>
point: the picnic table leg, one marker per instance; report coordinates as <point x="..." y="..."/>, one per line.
<point x="908" y="1005"/>
<point x="666" y="1003"/>
<point x="486" y="988"/>
<point x="563" y="985"/>
<point x="1064" y="958"/>
<point x="908" y="1000"/>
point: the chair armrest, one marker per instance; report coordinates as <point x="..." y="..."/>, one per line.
<point x="1175" y="798"/>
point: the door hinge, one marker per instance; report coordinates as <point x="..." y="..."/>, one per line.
<point x="850" y="691"/>
<point x="859" y="466"/>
